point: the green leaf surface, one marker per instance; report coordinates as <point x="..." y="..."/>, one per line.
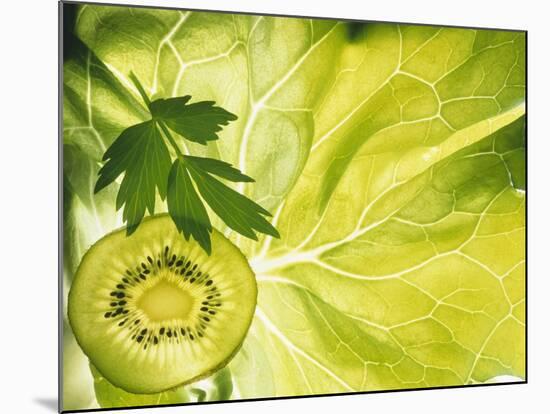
<point x="426" y="290"/>
<point x="199" y="122"/>
<point x="110" y="396"/>
<point x="393" y="158"/>
<point x="78" y="391"/>
<point x="96" y="109"/>
<point x="215" y="388"/>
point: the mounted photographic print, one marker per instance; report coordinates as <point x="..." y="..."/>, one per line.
<point x="260" y="206"/>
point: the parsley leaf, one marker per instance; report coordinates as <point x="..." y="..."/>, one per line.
<point x="141" y="154"/>
<point x="199" y="122"/>
<point x="186" y="208"/>
<point x="237" y="211"/>
<point x="219" y="168"/>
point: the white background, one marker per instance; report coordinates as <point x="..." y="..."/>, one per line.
<point x="28" y="203"/>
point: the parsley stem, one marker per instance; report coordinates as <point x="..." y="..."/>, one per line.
<point x="140" y="89"/>
<point x="170" y="139"/>
<point x="161" y="124"/>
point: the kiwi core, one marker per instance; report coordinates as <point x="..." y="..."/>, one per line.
<point x="165" y="301"/>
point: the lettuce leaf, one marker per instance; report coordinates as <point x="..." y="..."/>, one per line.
<point x="394" y="158"/>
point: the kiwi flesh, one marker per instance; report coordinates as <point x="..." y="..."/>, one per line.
<point x="152" y="311"/>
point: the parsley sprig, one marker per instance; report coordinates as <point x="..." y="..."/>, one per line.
<point x="141" y="153"/>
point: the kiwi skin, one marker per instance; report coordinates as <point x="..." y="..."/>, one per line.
<point x="207" y="374"/>
<point x="72" y="314"/>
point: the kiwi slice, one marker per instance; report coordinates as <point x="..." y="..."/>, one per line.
<point x="153" y="311"/>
